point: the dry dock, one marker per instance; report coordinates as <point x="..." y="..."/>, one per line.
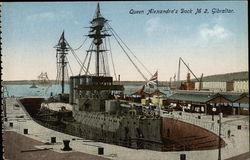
<point x="37" y="143"/>
<point x="22" y="147"/>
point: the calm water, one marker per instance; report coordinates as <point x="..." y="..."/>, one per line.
<point x="42" y="91"/>
<point x="26" y="91"/>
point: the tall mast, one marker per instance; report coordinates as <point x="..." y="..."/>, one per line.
<point x="62" y="48"/>
<point x="97" y="25"/>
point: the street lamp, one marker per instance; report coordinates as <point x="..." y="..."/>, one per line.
<point x="219" y="153"/>
<point x="214" y="110"/>
<point x="220" y="117"/>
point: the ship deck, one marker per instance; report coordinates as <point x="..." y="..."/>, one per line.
<point x="39" y="137"/>
<point x="57" y="106"/>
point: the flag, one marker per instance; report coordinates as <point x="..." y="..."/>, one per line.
<point x="153" y="80"/>
<point x="142" y="89"/>
<point x="61" y="38"/>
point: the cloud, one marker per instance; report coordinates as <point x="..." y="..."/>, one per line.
<point x="213" y="32"/>
<point x="152" y="25"/>
<point x="76" y="22"/>
<point x="44" y="15"/>
<point x="50" y="16"/>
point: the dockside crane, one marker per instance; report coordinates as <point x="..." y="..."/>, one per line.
<point x="179" y="68"/>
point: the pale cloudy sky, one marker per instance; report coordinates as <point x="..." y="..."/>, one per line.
<point x="209" y="43"/>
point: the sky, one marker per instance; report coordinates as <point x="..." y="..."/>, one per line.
<point x="211" y="43"/>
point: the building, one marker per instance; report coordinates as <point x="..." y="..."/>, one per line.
<point x="241" y="86"/>
<point x="215" y="86"/>
<point x="236" y="86"/>
<point x="236" y="82"/>
<point x="229" y="103"/>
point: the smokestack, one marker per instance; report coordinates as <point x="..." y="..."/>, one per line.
<point x="188" y="78"/>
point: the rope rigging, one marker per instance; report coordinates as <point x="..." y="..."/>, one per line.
<point x="77" y="58"/>
<point x="106" y="63"/>
<point x="101" y="51"/>
<point x="105" y="58"/>
<point x="81" y="44"/>
<point x="129" y="50"/>
<point x="112" y="61"/>
<point x="85" y="60"/>
<point x="129" y="57"/>
<point x="103" y="63"/>
<point x="58" y="72"/>
<point x="89" y="62"/>
<point x="62" y="68"/>
<point x="70" y="67"/>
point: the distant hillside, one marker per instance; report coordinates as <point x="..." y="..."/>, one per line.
<point x="228" y="77"/>
<point x="214" y="78"/>
<point x="26" y="82"/>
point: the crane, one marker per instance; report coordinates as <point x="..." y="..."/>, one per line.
<point x="198" y="80"/>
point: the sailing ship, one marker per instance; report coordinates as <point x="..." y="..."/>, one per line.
<point x="98" y="114"/>
<point x="43" y="79"/>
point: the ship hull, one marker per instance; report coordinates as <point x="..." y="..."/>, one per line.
<point x="160" y="134"/>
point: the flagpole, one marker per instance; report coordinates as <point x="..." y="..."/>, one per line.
<point x="154" y="81"/>
<point x="157" y="85"/>
<point x="149" y="95"/>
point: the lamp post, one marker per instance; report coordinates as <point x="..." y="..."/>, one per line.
<point x="220" y="139"/>
<point x="219" y="152"/>
<point x="213" y="112"/>
<point x="220" y="117"/>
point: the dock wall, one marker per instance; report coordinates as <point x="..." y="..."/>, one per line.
<point x="186" y="136"/>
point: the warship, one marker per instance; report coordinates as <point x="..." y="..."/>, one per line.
<point x="96" y="109"/>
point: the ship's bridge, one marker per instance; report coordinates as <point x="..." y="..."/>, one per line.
<point x="92" y="86"/>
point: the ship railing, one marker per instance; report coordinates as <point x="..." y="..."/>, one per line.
<point x="151" y="112"/>
<point x="206" y="122"/>
<point x="192" y="119"/>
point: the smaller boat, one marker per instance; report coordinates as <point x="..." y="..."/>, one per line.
<point x="33" y="85"/>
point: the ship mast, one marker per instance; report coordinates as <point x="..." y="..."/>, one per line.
<point x="97" y="25"/>
<point x="62" y="49"/>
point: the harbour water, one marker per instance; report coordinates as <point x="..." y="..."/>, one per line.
<point x="45" y="91"/>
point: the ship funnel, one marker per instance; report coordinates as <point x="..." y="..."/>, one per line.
<point x="188" y="77"/>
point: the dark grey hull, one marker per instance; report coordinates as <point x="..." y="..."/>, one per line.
<point x="92" y="133"/>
